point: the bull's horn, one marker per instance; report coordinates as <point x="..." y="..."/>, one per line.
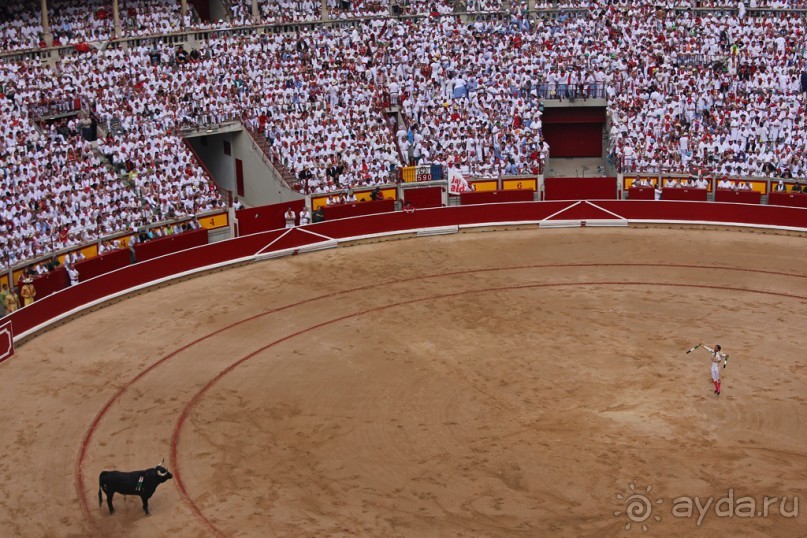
<point x="161" y="463"/>
<point x="161" y="473"/>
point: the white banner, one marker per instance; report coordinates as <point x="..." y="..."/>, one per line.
<point x="457" y="184"/>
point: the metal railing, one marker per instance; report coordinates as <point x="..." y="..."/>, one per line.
<point x="53" y="108"/>
<point x="568" y="91"/>
<point x="629" y="167"/>
<point x="770" y="182"/>
<point x="203" y="32"/>
<point x="10" y="270"/>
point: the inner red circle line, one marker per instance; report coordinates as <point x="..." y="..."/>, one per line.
<point x="175" y="438"/>
<point x="79" y="475"/>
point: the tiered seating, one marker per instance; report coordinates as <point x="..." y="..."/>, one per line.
<point x="685" y="90"/>
<point x="87" y="21"/>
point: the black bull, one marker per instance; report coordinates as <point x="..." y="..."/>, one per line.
<point x="141" y="483"/>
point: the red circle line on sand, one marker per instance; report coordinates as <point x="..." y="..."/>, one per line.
<point x="175" y="438"/>
<point x="79" y="475"/>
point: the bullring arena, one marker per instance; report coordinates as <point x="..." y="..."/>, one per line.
<point x="516" y="382"/>
<point x="403" y="268"/>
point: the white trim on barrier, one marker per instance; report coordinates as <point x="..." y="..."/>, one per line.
<point x="575" y="204"/>
<point x="311" y="247"/>
<point x="274" y="254"/>
<point x="501" y="223"/>
<point x="715" y="223"/>
<point x="559" y="223"/>
<point x="577" y="223"/>
<point x="438" y="230"/>
<point x="331" y="243"/>
<point x="324" y="245"/>
<point x="7" y="334"/>
<point x="127" y="291"/>
<point x="592" y="204"/>
<point x="549" y="222"/>
<point x="303" y="229"/>
<point x="275" y="240"/>
<point x="605" y="222"/>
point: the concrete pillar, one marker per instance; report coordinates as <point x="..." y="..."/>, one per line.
<point x="116" y="19"/>
<point x="325" y="15"/>
<point x="256" y="13"/>
<point x="183" y="12"/>
<point x="47" y="35"/>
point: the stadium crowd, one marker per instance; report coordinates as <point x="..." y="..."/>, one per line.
<point x="717" y="92"/>
<point x="712" y="92"/>
<point x="87" y="21"/>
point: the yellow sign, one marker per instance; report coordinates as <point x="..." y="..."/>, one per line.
<point x="759" y="186"/>
<point x="122" y="242"/>
<point x="526" y="184"/>
<point x="389" y="194"/>
<point x="485" y="185"/>
<point x="409" y="174"/>
<point x="629" y="181"/>
<point x="90" y="251"/>
<point x="319" y="201"/>
<point x="211" y="222"/>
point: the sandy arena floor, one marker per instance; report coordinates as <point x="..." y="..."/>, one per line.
<point x="515" y="383"/>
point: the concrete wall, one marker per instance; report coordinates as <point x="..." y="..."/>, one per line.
<point x="218" y="11"/>
<point x="203" y="8"/>
<point x="262" y="184"/>
<point x="211" y="150"/>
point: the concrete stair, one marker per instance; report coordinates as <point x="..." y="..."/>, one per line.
<point x="288" y="177"/>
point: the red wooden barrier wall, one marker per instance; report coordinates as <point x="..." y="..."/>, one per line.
<point x="695" y="195"/>
<point x="266" y="217"/>
<point x="787" y="199"/>
<point x="743" y="197"/>
<point x="492" y="197"/>
<point x="166" y="245"/>
<point x="356" y="209"/>
<point x="580" y="188"/>
<point x="246" y="247"/>
<point x="424" y="197"/>
<point x="104" y="263"/>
